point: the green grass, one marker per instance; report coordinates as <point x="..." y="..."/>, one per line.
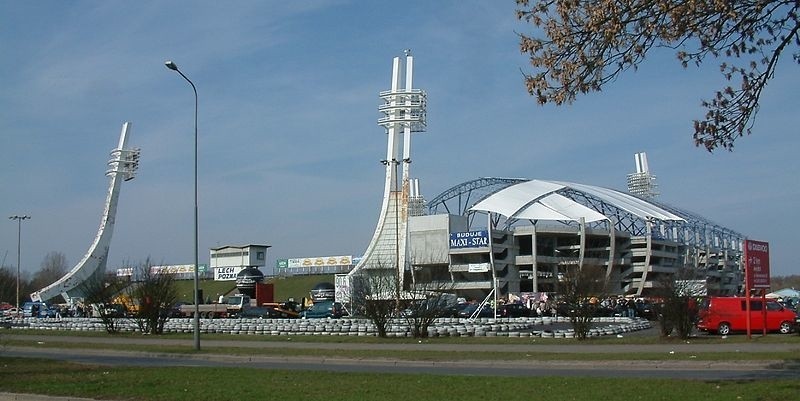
<point x="199" y="384"/>
<point x="297" y="287"/>
<point x="210" y="289"/>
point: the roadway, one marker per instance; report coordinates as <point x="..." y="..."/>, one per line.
<point x="683" y="366"/>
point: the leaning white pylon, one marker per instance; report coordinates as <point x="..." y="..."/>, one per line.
<point x="122" y="167"/>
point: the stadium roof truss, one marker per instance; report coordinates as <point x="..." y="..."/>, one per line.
<point x="565" y="203"/>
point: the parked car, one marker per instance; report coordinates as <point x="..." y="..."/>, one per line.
<point x="324" y="309"/>
<point x="470" y="309"/>
<point x="646" y="310"/>
<point x="34" y="309"/>
<point x="11" y="312"/>
<point x="513" y="310"/>
<point x="724" y="315"/>
<point x="440" y="306"/>
<point x="259" y="312"/>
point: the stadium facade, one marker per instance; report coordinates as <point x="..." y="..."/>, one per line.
<point x="536" y="229"/>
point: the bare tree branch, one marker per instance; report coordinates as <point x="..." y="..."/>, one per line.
<point x="586" y="44"/>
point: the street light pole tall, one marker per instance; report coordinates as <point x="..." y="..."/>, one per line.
<point x="174" y="67"/>
<point x="19" y="247"/>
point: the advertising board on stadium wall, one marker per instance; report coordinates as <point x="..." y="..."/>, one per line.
<point x="469" y="239"/>
<point x="169" y="269"/>
<point x="320" y="261"/>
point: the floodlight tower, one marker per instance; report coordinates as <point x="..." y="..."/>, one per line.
<point x="642" y="183"/>
<point x="121" y="167"/>
<point x="403" y="113"/>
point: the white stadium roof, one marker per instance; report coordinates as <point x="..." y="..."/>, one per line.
<point x="541" y="200"/>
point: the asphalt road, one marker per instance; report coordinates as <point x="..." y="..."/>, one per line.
<point x="682" y="367"/>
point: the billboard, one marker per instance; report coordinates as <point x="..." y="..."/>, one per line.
<point x="469" y="239"/>
<point x="227" y="273"/>
<point x="168" y="269"/>
<point x="321" y="261"/>
<point x="756" y="263"/>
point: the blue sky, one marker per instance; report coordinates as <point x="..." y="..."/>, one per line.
<point x="289" y="145"/>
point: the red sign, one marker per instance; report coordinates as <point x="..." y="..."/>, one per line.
<point x="756" y="263"/>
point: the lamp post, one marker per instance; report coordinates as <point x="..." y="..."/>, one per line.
<point x="174" y="67"/>
<point x="19" y="246"/>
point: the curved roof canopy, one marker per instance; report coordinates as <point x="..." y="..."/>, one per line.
<point x="546" y="200"/>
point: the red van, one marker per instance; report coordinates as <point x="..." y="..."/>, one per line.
<point x="726" y="314"/>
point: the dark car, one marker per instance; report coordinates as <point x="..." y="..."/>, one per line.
<point x="646" y="310"/>
<point x="797" y="323"/>
<point x="470" y="309"/>
<point x="324" y="309"/>
<point x="433" y="307"/>
<point x="513" y="310"/>
<point x="259" y="312"/>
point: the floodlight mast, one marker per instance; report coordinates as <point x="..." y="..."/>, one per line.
<point x="403" y="113"/>
<point x="122" y="166"/>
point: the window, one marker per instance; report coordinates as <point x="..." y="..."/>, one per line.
<point x="260" y="255"/>
<point x="754" y="305"/>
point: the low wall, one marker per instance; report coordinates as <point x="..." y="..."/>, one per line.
<point x="558" y="327"/>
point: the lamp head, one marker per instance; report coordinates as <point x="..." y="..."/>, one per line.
<point x="171" y="65"/>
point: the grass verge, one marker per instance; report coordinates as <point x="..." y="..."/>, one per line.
<point x="199" y="384"/>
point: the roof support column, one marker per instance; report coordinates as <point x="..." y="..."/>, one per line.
<point x="612" y="241"/>
<point x="582" y="251"/>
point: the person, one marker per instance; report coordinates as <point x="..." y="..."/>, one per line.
<point x="631" y="308"/>
<point x="221" y="299"/>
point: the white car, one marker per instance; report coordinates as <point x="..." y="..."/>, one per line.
<point x="11" y="312"/>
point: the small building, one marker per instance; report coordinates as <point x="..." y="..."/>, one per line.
<point x="227" y="261"/>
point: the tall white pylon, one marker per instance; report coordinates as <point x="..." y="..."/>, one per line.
<point x="404" y="113"/>
<point x="122" y="167"/>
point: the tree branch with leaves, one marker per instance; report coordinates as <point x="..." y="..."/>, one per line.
<point x="586" y="44"/>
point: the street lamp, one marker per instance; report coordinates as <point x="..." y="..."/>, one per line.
<point x="19" y="242"/>
<point x="174" y="67"/>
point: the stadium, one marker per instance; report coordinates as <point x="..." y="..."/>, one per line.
<point x="539" y="228"/>
<point x="508" y="236"/>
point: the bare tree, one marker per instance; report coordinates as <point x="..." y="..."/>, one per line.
<point x="678" y="308"/>
<point x="53" y="267"/>
<point x="426" y="302"/>
<point x="588" y="43"/>
<point x="579" y="285"/>
<point x="374" y="297"/>
<point x="155" y="294"/>
<point x="99" y="298"/>
<point x="8" y="285"/>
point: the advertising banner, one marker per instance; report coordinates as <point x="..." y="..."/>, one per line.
<point x="226" y="273"/>
<point x="172" y="269"/>
<point x="342" y="288"/>
<point x="756" y="259"/>
<point x="167" y="269"/>
<point x="478" y="268"/>
<point x="469" y="239"/>
<point x="321" y="261"/>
